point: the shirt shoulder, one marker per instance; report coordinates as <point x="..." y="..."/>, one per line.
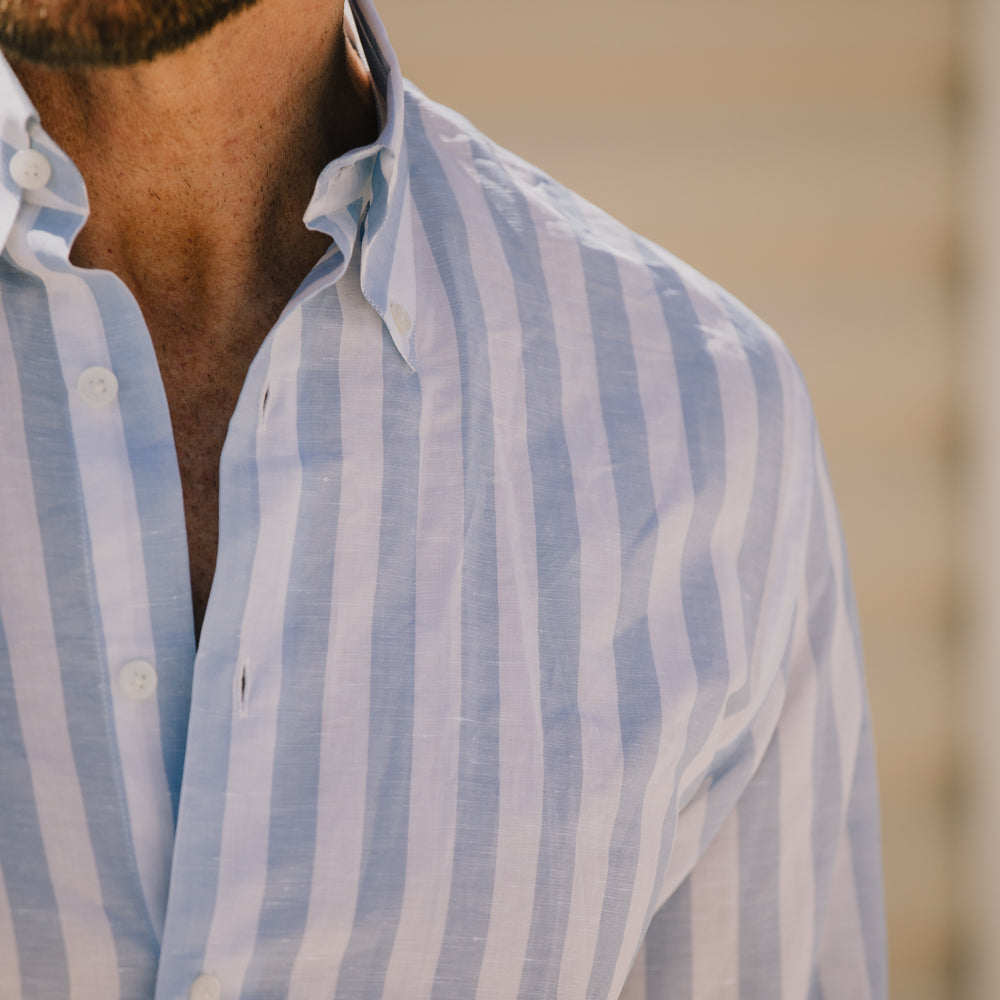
<point x="481" y="199"/>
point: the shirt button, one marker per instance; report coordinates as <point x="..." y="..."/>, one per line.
<point x="387" y="163"/>
<point x="205" y="987"/>
<point x="30" y="169"/>
<point x="137" y="680"/>
<point x="401" y="317"/>
<point x="98" y="386"/>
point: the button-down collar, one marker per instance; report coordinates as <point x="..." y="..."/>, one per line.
<point x="387" y="263"/>
<point x="367" y="189"/>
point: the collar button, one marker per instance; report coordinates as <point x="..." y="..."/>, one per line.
<point x="205" y="987"/>
<point x="401" y="317"/>
<point x="137" y="680"/>
<point x="98" y="386"/>
<point x="387" y="163"/>
<point x="30" y="169"/>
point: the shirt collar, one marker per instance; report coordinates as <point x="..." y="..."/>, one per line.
<point x="364" y="191"/>
<point x="378" y="177"/>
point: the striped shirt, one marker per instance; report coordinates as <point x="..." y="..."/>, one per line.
<point x="530" y="669"/>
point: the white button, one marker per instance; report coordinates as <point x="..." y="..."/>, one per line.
<point x="387" y="161"/>
<point x="137" y="680"/>
<point x="401" y="318"/>
<point x="98" y="386"/>
<point x="30" y="169"/>
<point x="205" y="987"/>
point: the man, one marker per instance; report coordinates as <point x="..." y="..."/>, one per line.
<point x="530" y="666"/>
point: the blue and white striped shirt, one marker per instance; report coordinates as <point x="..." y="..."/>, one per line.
<point x="530" y="668"/>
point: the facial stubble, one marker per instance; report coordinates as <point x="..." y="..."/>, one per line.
<point x="79" y="33"/>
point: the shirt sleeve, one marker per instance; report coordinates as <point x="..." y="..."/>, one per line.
<point x="778" y="891"/>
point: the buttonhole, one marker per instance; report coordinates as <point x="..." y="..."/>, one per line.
<point x="264" y="401"/>
<point x="242" y="681"/>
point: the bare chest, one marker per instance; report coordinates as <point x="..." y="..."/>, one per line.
<point x="202" y="391"/>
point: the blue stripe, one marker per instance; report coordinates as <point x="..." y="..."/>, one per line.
<point x="342" y="227"/>
<point x="61" y="223"/>
<point x="477" y="820"/>
<point x="390" y="733"/>
<point x="863" y="832"/>
<point x="557" y="543"/>
<point x="295" y="781"/>
<point x="704" y="428"/>
<point x="669" y="948"/>
<point x="639" y="709"/>
<point x="75" y="615"/>
<point x="381" y="229"/>
<point x="325" y="271"/>
<point x="41" y="952"/>
<point x="759" y="831"/>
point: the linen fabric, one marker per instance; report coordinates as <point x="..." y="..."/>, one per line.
<point x="530" y="667"/>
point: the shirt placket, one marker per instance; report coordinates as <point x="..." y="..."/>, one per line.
<point x="101" y="386"/>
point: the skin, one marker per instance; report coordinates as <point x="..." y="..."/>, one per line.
<point x="199" y="165"/>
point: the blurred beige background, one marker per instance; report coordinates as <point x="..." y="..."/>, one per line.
<point x="833" y="163"/>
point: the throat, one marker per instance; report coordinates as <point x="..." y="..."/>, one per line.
<point x="202" y="392"/>
<point x="203" y="374"/>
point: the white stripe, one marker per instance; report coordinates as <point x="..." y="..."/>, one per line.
<point x="784" y="580"/>
<point x="10" y="972"/>
<point x="437" y="705"/>
<point x="738" y="397"/>
<point x="246" y="824"/>
<point x="796" y="729"/>
<point x="797" y="865"/>
<point x="715" y="911"/>
<point x="843" y="966"/>
<point x="847" y="684"/>
<point x="344" y="739"/>
<point x="90" y="948"/>
<point x="635" y="985"/>
<point x="689" y="839"/>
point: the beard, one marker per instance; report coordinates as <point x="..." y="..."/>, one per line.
<point x="78" y="33"/>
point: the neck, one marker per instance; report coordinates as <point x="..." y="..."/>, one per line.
<point x="200" y="164"/>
